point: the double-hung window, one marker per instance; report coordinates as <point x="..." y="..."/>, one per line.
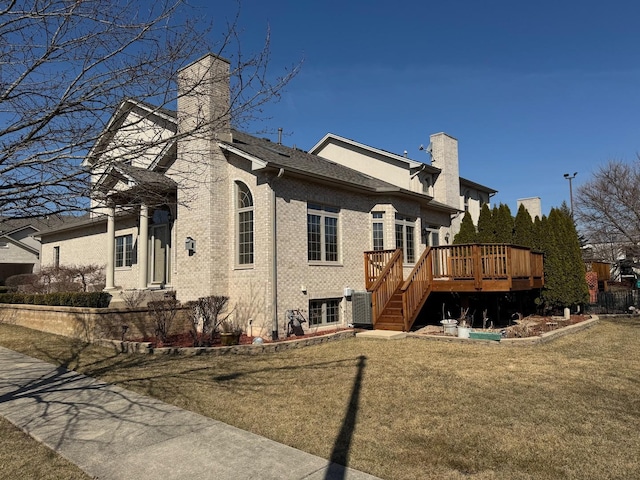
<point x="378" y="230"/>
<point x="322" y="233"/>
<point x="124" y="250"/>
<point x="405" y="227"/>
<point x="322" y="312"/>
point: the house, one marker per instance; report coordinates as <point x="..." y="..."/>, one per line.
<point x="19" y="245"/>
<point x="209" y="210"/>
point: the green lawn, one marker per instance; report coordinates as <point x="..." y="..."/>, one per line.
<point x="409" y="409"/>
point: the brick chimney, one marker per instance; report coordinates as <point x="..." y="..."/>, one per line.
<point x="204" y="98"/>
<point x="446" y="188"/>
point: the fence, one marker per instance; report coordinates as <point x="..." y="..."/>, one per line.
<point x="615" y="302"/>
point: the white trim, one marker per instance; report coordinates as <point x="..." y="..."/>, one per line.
<point x="331" y="136"/>
<point x="256" y="163"/>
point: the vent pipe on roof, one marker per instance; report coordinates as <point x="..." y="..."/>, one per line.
<point x="280" y="136"/>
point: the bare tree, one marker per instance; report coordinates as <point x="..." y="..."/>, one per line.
<point x="607" y="209"/>
<point x="66" y="66"/>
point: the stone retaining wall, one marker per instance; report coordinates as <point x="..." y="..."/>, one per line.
<point x="87" y="324"/>
<point x="253" y="349"/>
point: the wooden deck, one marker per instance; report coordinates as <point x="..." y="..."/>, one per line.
<point x="396" y="302"/>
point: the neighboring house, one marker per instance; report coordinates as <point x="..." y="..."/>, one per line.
<point x="272" y="227"/>
<point x="19" y="245"/>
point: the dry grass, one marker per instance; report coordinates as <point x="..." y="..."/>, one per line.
<point x="23" y="457"/>
<point x="412" y="408"/>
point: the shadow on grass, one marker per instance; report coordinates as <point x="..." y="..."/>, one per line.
<point x="340" y="454"/>
<point x="65" y="410"/>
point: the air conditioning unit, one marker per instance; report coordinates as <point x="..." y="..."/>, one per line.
<point x="361" y="302"/>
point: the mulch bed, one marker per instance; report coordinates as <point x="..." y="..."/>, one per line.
<point x="531" y="326"/>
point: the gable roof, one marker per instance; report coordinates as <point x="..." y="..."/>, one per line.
<point x="24" y="246"/>
<point x="477" y="186"/>
<point x="265" y="154"/>
<point x="411" y="164"/>
<point x="11" y="225"/>
<point x="158" y="115"/>
<point x="137" y="176"/>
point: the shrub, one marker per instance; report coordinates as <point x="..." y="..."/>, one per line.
<point x="24" y="282"/>
<point x="206" y="315"/>
<point x="163" y="312"/>
<point x="65" y="299"/>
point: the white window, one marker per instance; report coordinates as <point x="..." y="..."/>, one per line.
<point x="378" y="230"/>
<point x="405" y="239"/>
<point x="322" y="233"/>
<point x="56" y="257"/>
<point x="124" y="251"/>
<point x="467" y="196"/>
<point x="433" y="236"/>
<point x="324" y="312"/>
<point x="244" y="205"/>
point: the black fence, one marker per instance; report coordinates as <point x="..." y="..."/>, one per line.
<point x="615" y="302"/>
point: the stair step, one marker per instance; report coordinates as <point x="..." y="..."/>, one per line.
<point x="398" y="327"/>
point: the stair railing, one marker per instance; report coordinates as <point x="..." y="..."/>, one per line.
<point x="417" y="288"/>
<point x="386" y="284"/>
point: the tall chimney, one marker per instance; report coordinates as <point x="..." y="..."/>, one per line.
<point x="204" y="98"/>
<point x="446" y="188"/>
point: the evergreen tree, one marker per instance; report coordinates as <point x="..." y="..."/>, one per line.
<point x="523" y="228"/>
<point x="485" y="226"/>
<point x="539" y="226"/>
<point x="565" y="283"/>
<point x="467" y="233"/>
<point x="578" y="290"/>
<point x="503" y="223"/>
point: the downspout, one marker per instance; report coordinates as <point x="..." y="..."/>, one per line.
<point x="274" y="260"/>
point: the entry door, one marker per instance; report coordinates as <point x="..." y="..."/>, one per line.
<point x="159" y="254"/>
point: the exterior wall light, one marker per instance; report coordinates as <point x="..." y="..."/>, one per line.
<point x="190" y="245"/>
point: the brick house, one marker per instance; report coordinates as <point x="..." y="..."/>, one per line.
<point x="275" y="228"/>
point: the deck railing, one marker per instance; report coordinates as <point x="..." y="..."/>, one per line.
<point x="469" y="267"/>
<point x="417" y="287"/>
<point x="387" y="282"/>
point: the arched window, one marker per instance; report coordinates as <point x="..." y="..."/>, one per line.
<point x="244" y="206"/>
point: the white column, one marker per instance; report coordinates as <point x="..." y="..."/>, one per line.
<point x="143" y="242"/>
<point x="111" y="248"/>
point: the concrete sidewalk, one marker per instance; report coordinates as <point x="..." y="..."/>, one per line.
<point x="113" y="433"/>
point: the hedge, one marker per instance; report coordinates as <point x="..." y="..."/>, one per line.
<point x="59" y="299"/>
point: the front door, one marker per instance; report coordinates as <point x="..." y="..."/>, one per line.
<point x="159" y="254"/>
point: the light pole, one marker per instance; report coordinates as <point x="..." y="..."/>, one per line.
<point x="570" y="177"/>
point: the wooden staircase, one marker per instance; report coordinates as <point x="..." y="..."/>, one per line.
<point x="391" y="317"/>
<point x="396" y="303"/>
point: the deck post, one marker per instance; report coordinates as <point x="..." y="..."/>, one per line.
<point x="476" y="254"/>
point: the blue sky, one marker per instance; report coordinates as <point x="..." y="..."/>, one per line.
<point x="531" y="90"/>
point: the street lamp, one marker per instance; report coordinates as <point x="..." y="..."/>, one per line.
<point x="570" y="177"/>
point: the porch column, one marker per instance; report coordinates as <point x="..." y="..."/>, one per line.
<point x="143" y="243"/>
<point x="111" y="248"/>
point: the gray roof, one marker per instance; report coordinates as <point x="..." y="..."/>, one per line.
<point x="303" y="162"/>
<point x="9" y="225"/>
<point x="149" y="178"/>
